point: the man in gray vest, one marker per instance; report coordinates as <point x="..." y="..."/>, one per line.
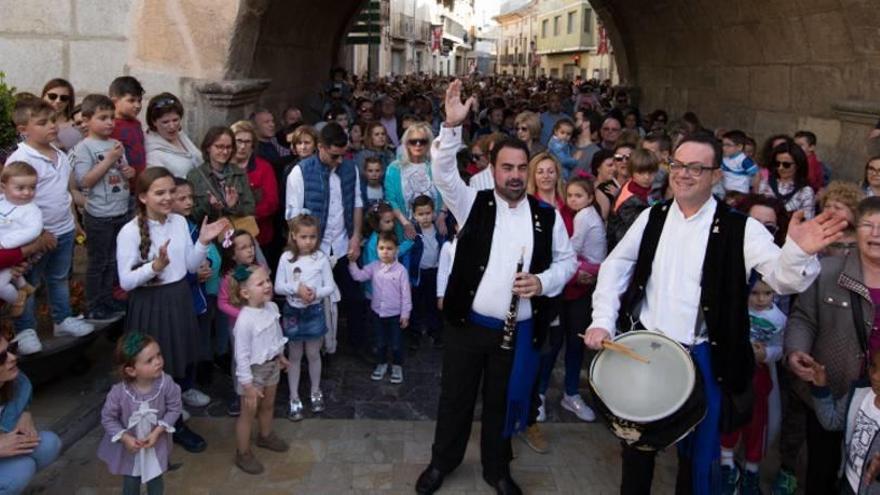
<point x="683" y="269"/>
<point x="517" y="256"/>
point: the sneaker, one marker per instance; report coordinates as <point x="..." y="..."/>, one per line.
<point x="396" y="374"/>
<point x="28" y="342"/>
<point x="272" y="442"/>
<point x="73" y="327"/>
<point x="248" y="463"/>
<point x="317" y="402"/>
<point x="195" y="398"/>
<point x="542" y="413"/>
<point x="101" y="313"/>
<point x="751" y="481"/>
<point x="233" y="407"/>
<point x="295" y="411"/>
<point x="730" y="478"/>
<point x="785" y="483"/>
<point x="534" y="438"/>
<point x="191" y="441"/>
<point x="379" y="372"/>
<point x="185" y="415"/>
<point x="575" y="403"/>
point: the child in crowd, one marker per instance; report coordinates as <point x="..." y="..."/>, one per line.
<point x="373" y="188"/>
<point x="858" y="415"/>
<point x="239" y="248"/>
<point x="138" y="415"/>
<point x="101" y="170"/>
<point x="380" y="219"/>
<point x="127" y="95"/>
<point x="20" y="223"/>
<point x="391" y="304"/>
<point x="818" y="174"/>
<point x="767" y="324"/>
<point x="259" y="358"/>
<point x="34" y="120"/>
<point x="204" y="306"/>
<point x="424" y="260"/>
<point x="305" y="278"/>
<point x="738" y="170"/>
<point x="154" y="252"/>
<point x="634" y="196"/>
<point x="560" y="145"/>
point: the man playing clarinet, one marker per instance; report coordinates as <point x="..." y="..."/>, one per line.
<point x="683" y="269"/>
<point x="502" y="228"/>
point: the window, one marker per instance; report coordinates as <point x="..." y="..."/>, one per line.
<point x="544" y="24"/>
<point x="569" y="28"/>
<point x="588" y="20"/>
<point x="556" y="25"/>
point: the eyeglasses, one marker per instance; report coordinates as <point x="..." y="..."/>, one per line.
<point x="12" y="348"/>
<point x="244" y="141"/>
<point x="56" y="96"/>
<point x="785" y="165"/>
<point x="221" y="147"/>
<point x="522" y="128"/>
<point x="872" y="227"/>
<point x="418" y="142"/>
<point x="872" y="171"/>
<point x="693" y="169"/>
<point x="620" y="158"/>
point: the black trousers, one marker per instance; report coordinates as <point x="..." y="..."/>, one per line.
<point x="823" y="457"/>
<point x="473" y="357"/>
<point x="638" y="472"/>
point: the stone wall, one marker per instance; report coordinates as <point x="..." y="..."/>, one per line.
<point x="764" y="66"/>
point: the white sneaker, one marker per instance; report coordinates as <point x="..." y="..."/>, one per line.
<point x="73" y="327"/>
<point x="576" y="404"/>
<point x="542" y="413"/>
<point x="195" y="398"/>
<point x="184" y="415"/>
<point x="28" y="342"/>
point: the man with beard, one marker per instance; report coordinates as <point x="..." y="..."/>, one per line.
<point x="683" y="270"/>
<point x="515" y="245"/>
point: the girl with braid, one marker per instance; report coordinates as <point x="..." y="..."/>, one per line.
<point x="154" y="252"/>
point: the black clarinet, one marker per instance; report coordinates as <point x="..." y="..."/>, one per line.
<point x="507" y="341"/>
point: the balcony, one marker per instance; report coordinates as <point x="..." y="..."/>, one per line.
<point x="423" y="32"/>
<point x="403" y="27"/>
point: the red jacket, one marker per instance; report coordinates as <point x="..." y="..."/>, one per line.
<point x="815" y="173"/>
<point x="265" y="188"/>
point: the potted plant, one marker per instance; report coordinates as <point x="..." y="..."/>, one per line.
<point x="8" y="134"/>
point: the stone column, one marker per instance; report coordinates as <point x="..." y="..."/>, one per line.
<point x="219" y="102"/>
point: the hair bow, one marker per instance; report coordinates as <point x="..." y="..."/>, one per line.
<point x="132" y="344"/>
<point x="241" y="273"/>
<point x="586" y="175"/>
<point x="227" y="238"/>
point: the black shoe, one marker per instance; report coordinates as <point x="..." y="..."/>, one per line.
<point x="429" y="481"/>
<point x="438" y="341"/>
<point x="191" y="441"/>
<point x="101" y="313"/>
<point x="233" y="407"/>
<point x="504" y="485"/>
<point x="117" y="306"/>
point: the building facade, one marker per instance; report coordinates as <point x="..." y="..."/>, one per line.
<point x="517" y="39"/>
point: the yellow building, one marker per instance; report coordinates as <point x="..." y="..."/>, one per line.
<point x="517" y="39"/>
<point x="568" y="41"/>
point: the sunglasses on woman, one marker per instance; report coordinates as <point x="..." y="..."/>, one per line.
<point x="620" y="158"/>
<point x="56" y="96"/>
<point x="785" y="165"/>
<point x="418" y="142"/>
<point x="12" y="348"/>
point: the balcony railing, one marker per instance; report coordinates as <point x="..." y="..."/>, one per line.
<point x="403" y="26"/>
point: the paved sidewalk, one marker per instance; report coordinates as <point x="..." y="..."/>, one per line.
<point x="329" y="456"/>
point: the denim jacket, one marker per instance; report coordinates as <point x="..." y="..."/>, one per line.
<point x="21" y="399"/>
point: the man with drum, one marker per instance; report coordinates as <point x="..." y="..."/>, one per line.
<point x="682" y="270"/>
<point x="513" y="252"/>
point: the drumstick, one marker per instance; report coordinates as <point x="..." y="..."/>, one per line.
<point x="626" y="351"/>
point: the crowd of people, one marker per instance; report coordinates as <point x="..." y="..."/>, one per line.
<point x="250" y="248"/>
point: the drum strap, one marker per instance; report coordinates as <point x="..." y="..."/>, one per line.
<point x="861" y="332"/>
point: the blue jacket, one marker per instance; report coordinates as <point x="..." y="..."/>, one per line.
<point x="563" y="152"/>
<point x="415" y="254"/>
<point x="21" y="399"/>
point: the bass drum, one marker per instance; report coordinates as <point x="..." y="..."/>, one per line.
<point x="650" y="406"/>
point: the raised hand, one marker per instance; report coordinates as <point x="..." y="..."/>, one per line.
<point x="815" y="235"/>
<point x="456" y="111"/>
<point x="162" y="260"/>
<point x="231" y="196"/>
<point x="210" y="231"/>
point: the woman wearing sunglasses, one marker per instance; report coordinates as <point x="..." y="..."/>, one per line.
<point x="787" y="179"/>
<point x="410" y="177"/>
<point x="23" y="449"/>
<point x="59" y="93"/>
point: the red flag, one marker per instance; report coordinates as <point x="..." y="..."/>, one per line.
<point x="603" y="41"/>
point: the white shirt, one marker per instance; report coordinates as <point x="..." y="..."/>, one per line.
<point x="258" y="339"/>
<point x="335" y="240"/>
<point x="19" y="224"/>
<point x="482" y="180"/>
<point x="430" y="249"/>
<point x="866" y="424"/>
<point x="444" y="267"/>
<point x="513" y="232"/>
<point x="183" y="255"/>
<point x="312" y="270"/>
<point x="672" y="295"/>
<point x="588" y="238"/>
<point x="53" y="187"/>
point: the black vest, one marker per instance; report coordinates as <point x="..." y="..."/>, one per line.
<point x="472" y="255"/>
<point x="724" y="292"/>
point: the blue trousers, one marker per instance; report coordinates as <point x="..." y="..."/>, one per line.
<point x="16" y="472"/>
<point x="388" y="334"/>
<point x="54" y="267"/>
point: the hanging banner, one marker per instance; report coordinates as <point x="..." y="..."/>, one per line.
<point x="436" y="38"/>
<point x="603" y="41"/>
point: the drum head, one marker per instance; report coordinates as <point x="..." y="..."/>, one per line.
<point x="642" y="392"/>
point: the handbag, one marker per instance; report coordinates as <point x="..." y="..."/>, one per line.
<point x="247" y="223"/>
